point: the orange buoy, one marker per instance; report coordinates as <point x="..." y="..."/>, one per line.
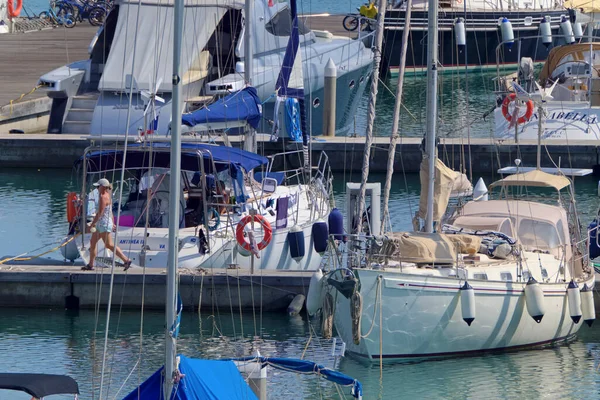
<point x="72" y="206"/>
<point x="13" y="11"/>
<point x="523" y="118"/>
<point x="239" y="232"/>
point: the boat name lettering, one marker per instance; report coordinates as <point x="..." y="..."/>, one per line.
<point x="131" y="241"/>
<point x="570" y="116"/>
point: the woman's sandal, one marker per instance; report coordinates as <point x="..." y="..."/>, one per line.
<point x="126" y="265"/>
<point x="87" y="268"/>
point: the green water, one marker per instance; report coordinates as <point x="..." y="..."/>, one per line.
<point x="32" y="214"/>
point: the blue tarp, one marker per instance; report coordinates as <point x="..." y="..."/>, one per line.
<point x="239" y="106"/>
<point x="308" y="367"/>
<point x="224" y="158"/>
<point x="203" y="379"/>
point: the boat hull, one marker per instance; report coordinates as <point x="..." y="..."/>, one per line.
<point x="422" y="317"/>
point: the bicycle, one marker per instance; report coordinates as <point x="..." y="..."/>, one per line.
<point x="94" y="12"/>
<point x="62" y="16"/>
<point x="366" y="13"/>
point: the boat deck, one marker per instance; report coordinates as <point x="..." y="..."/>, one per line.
<point x="24" y="57"/>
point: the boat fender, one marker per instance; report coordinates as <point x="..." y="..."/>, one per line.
<point x="72" y="206"/>
<point x="319" y="234"/>
<point x="574" y="299"/>
<point x="356" y="314"/>
<point x="506" y="30"/>
<point x="241" y="239"/>
<point x="460" y="33"/>
<point x="13" y="11"/>
<point x="69" y="250"/>
<point x="336" y="224"/>
<point x="295" y="240"/>
<point x="523" y="118"/>
<point x="546" y="32"/>
<point x="314" y="298"/>
<point x="534" y="299"/>
<point x="567" y="30"/>
<point x="327" y="323"/>
<point x="587" y="305"/>
<point x="577" y="30"/>
<point x="296" y="305"/>
<point x="467" y="303"/>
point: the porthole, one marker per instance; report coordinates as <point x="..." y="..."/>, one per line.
<point x="506" y="276"/>
<point x="352" y="84"/>
<point x="316" y="102"/>
<point x="361" y="80"/>
<point x="480" y="276"/>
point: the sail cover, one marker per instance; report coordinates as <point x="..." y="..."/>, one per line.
<point x="243" y="106"/>
<point x="39" y="385"/>
<point x="202" y="379"/>
<point x="152" y="47"/>
<point x="290" y="82"/>
<point x="447" y="182"/>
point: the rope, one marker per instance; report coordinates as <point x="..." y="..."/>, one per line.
<point x="12" y="102"/>
<point x="377" y="303"/>
<point x="327" y="326"/>
<point x="356" y="303"/>
<point x="19" y="258"/>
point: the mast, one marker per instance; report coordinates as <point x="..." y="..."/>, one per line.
<point x="371" y="116"/>
<point x="250" y="136"/>
<point x="431" y="104"/>
<point x="395" y="123"/>
<point x="170" y="343"/>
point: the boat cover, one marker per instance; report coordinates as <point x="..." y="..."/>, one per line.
<point x="224" y="158"/>
<point x="239" y="106"/>
<point x="202" y="379"/>
<point x="39" y="385"/>
<point x="308" y="367"/>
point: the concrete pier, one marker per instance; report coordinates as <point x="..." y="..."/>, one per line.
<point x="69" y="287"/>
<point x="345" y="153"/>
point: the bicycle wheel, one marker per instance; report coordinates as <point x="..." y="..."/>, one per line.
<point x="68" y="22"/>
<point x="350" y="23"/>
<point x="62" y="9"/>
<point x="45" y="16"/>
<point x="97" y="16"/>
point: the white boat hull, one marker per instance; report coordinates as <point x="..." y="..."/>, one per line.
<point x="422" y="317"/>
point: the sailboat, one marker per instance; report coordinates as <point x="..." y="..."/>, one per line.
<point x="501" y="274"/>
<point x="186" y="378"/>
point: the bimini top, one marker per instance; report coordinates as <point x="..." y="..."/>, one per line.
<point x="535" y="178"/>
<point x="558" y="54"/>
<point x="138" y="158"/>
<point x="39" y="385"/>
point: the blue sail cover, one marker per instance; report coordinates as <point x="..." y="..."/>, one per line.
<point x="308" y="367"/>
<point x="224" y="158"/>
<point x="202" y="380"/>
<point x="239" y="106"/>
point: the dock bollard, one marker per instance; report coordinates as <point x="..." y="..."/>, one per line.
<point x="329" y="98"/>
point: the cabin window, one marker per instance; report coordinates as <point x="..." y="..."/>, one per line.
<point x="480" y="275"/>
<point x="505" y="276"/>
<point x="281" y="24"/>
<point x="316" y="102"/>
<point x="538" y="234"/>
<point x="351" y="84"/>
<point x="526" y="276"/>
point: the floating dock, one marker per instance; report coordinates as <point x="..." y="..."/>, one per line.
<point x="48" y="286"/>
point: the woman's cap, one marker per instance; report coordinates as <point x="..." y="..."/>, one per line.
<point x="103" y="182"/>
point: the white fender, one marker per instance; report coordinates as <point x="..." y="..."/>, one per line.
<point x="574" y="299"/>
<point x="534" y="299"/>
<point x="587" y="305"/>
<point x="460" y="33"/>
<point x="467" y="303"/>
<point x="296" y="305"/>
<point x="546" y="32"/>
<point x="314" y="298"/>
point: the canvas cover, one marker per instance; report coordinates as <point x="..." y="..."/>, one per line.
<point x="465" y="244"/>
<point x="534" y="178"/>
<point x="420" y="248"/>
<point x="447" y="182"/>
<point x="152" y="46"/>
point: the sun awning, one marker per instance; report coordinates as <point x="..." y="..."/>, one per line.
<point x="535" y="178"/>
<point x="39" y="385"/>
<point x="152" y="46"/>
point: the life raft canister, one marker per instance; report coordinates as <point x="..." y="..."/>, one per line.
<point x="523" y="118"/>
<point x="239" y="231"/>
<point x="72" y="206"/>
<point x="13" y="11"/>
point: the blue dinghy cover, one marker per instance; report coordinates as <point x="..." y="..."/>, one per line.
<point x="239" y="106"/>
<point x="203" y="379"/>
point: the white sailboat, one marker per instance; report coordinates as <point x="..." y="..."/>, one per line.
<point x="502" y="274"/>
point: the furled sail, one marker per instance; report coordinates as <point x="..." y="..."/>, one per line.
<point x="447" y="183"/>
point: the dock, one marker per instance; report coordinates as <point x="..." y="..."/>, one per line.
<point x="344" y="153"/>
<point x="63" y="286"/>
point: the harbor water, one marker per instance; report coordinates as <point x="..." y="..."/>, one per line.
<point x="32" y="217"/>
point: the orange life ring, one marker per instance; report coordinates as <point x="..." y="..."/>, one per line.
<point x="523" y="118"/>
<point x="72" y="206"/>
<point x="12" y="11"/>
<point x="239" y="231"/>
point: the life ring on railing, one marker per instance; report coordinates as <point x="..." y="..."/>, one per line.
<point x="12" y="11"/>
<point x="239" y="231"/>
<point x="72" y="206"/>
<point x="523" y="118"/>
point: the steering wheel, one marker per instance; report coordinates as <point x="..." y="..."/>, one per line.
<point x="154" y="213"/>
